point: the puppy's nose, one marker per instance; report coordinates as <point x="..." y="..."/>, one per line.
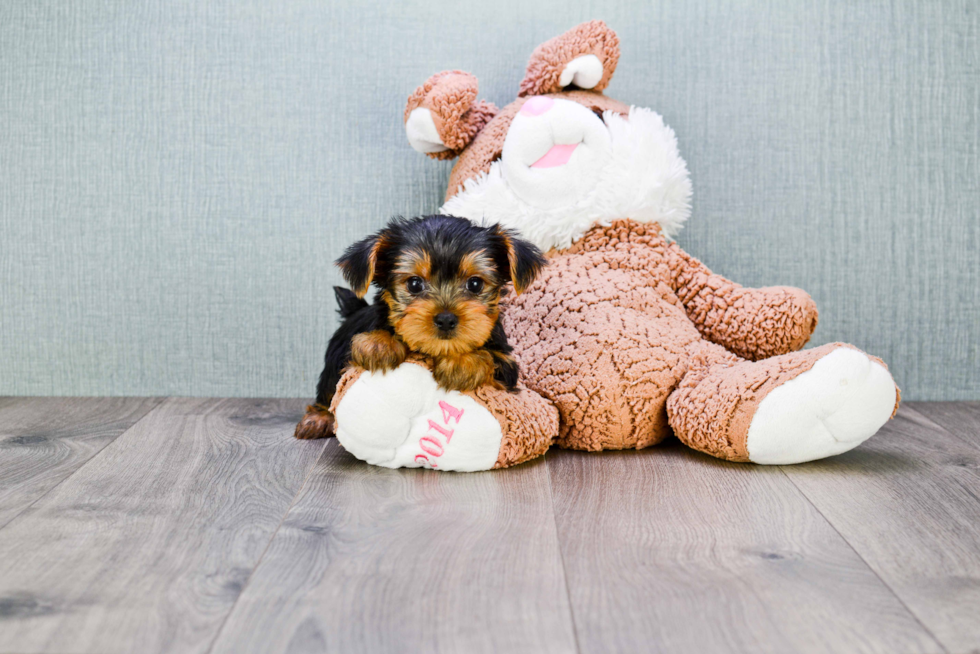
<point x="446" y="321"/>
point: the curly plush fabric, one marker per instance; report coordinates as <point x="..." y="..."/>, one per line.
<point x="754" y="323"/>
<point x="528" y="423"/>
<point x="714" y="404"/>
<point x="550" y="58"/>
<point x="630" y="337"/>
<point x="605" y="334"/>
<point x="450" y="96"/>
<point x="351" y="375"/>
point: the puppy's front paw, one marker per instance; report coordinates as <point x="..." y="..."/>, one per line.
<point x="464" y="372"/>
<point x="377" y="351"/>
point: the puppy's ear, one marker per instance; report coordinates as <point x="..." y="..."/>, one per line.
<point x="360" y="262"/>
<point x="523" y="260"/>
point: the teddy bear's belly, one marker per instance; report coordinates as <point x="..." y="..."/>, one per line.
<point x="607" y="346"/>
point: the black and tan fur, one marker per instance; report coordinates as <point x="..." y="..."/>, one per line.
<point x="440" y="280"/>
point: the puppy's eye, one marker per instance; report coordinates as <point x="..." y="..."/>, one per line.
<point x="415" y="285"/>
<point x="474" y="284"/>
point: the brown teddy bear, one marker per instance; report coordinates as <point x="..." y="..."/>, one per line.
<point x="628" y="336"/>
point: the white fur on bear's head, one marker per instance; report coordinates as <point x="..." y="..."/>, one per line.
<point x="564" y="169"/>
<point x="562" y="157"/>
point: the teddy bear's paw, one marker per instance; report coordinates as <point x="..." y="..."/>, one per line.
<point x="831" y="408"/>
<point x="402" y="419"/>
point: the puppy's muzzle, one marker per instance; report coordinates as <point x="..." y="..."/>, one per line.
<point x="446" y="321"/>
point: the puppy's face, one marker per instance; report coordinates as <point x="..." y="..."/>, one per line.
<point x="443" y="302"/>
<point x="442" y="278"/>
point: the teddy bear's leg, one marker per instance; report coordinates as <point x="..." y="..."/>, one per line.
<point x="791" y="408"/>
<point x="402" y="419"/>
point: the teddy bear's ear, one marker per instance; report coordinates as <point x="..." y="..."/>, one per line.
<point x="443" y="115"/>
<point x="584" y="56"/>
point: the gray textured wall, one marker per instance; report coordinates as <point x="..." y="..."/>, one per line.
<point x="176" y="177"/>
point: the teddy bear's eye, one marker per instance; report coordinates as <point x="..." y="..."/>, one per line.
<point x="415" y="285"/>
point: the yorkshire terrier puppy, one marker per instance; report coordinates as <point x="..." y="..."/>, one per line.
<point x="440" y="281"/>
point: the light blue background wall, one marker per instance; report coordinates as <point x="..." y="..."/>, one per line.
<point x="176" y="177"/>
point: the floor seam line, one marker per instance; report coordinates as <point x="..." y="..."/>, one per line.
<point x="265" y="550"/>
<point x="561" y="556"/>
<point x="910" y="406"/>
<point x="87" y="461"/>
<point x="891" y="590"/>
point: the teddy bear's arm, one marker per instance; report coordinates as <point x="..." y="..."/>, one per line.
<point x="585" y="56"/>
<point x="754" y="323"/>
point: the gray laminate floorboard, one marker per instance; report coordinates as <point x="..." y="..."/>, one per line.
<point x="45" y="439"/>
<point x="377" y="560"/>
<point x="908" y="501"/>
<point x="962" y="419"/>
<point x="200" y="524"/>
<point x="147" y="546"/>
<point x="668" y="550"/>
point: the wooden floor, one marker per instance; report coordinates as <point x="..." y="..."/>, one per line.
<point x="198" y="525"/>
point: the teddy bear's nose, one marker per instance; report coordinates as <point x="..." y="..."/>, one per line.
<point x="536" y="105"/>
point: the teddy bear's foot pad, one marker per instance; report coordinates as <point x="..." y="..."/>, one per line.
<point x="402" y="419"/>
<point x="831" y="408"/>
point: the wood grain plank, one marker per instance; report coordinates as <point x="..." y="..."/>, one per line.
<point x="45" y="439"/>
<point x="908" y="501"/>
<point x="961" y="419"/>
<point x="146" y="548"/>
<point x="669" y="550"/>
<point x="377" y="560"/>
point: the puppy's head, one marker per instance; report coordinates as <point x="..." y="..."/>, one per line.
<point x="442" y="278"/>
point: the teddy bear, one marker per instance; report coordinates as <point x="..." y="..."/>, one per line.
<point x="629" y="338"/>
